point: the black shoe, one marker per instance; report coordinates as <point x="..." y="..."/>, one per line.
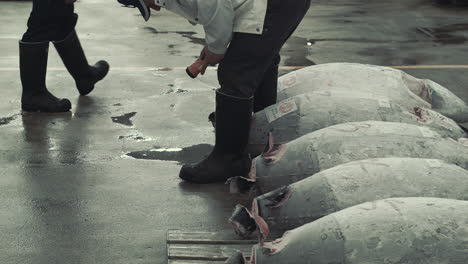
<point x="75" y="61"/>
<point x="216" y="168"/>
<point x="229" y="157"/>
<point x="33" y="69"/>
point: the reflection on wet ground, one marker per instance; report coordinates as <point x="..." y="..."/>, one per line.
<point x="448" y="34"/>
<point x="54" y="194"/>
<point x="185" y="34"/>
<point x="124" y="119"/>
<point x="7" y="120"/>
<point x="187" y="155"/>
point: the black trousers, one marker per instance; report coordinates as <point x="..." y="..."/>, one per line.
<point x="250" y="65"/>
<point x="50" y="20"/>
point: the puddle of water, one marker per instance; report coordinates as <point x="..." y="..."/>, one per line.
<point x="185" y="34"/>
<point x="124" y="119"/>
<point x="7" y="120"/>
<point x="170" y="91"/>
<point x="138" y="138"/>
<point x="167" y="150"/>
<point x="187" y="155"/>
<point x="446" y="34"/>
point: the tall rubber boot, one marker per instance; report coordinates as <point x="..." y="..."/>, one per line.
<point x="229" y="157"/>
<point x="75" y="61"/>
<point x="266" y="93"/>
<point x="33" y="68"/>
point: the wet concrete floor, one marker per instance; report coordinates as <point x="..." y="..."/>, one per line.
<point x="100" y="185"/>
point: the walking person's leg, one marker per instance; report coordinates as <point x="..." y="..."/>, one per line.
<point x="54" y="21"/>
<point x="71" y="52"/>
<point x="240" y="73"/>
<point x="33" y="50"/>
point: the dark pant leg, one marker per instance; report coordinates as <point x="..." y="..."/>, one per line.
<point x="266" y="93"/>
<point x="249" y="56"/>
<point x="50" y="20"/>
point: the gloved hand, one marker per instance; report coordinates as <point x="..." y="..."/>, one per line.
<point x="209" y="59"/>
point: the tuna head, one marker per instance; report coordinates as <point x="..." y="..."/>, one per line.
<point x="270" y="155"/>
<point x="440" y="123"/>
<point x="447" y="103"/>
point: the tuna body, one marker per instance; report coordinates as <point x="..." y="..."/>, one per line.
<point x="396" y="230"/>
<point x="351" y="184"/>
<point x="306" y="113"/>
<point x="339" y="144"/>
<point x="373" y="82"/>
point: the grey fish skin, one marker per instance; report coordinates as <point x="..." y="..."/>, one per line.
<point x="306" y="113"/>
<point x="397" y="231"/>
<point x="374" y="82"/>
<point x="343" y="143"/>
<point x="446" y="103"/>
<point x="351" y="184"/>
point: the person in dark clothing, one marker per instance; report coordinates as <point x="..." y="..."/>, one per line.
<point x="245" y="37"/>
<point x="53" y="21"/>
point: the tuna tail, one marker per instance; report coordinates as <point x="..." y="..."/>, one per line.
<point x="243" y="222"/>
<point x="241" y="185"/>
<point x="248" y="223"/>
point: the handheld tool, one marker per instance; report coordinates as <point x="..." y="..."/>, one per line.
<point x="194" y="70"/>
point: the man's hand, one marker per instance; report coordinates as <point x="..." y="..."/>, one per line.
<point x="209" y="59"/>
<point x="152" y="5"/>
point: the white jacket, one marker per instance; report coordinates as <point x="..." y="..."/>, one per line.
<point x="220" y="18"/>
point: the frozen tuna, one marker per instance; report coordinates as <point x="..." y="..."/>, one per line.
<point x="396" y="230"/>
<point x="343" y="143"/>
<point x="305" y="113"/>
<point x="347" y="185"/>
<point x="374" y="82"/>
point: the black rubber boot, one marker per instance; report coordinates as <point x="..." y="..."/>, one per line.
<point x="229" y="157"/>
<point x="33" y="69"/>
<point x="75" y="61"/>
<point x="266" y="93"/>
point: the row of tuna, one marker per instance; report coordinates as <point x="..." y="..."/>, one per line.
<point x="363" y="164"/>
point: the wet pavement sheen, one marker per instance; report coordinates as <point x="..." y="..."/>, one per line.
<point x="100" y="184"/>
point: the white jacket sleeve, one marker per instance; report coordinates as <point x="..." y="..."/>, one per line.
<point x="217" y="18"/>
